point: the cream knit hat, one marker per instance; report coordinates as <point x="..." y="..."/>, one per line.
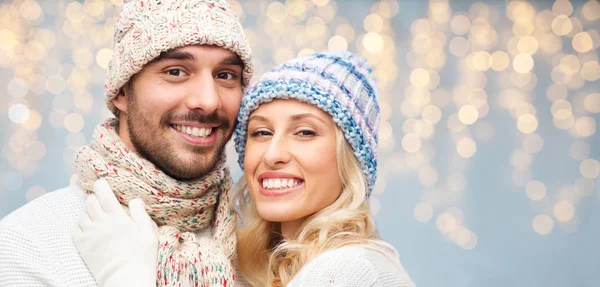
<point x="146" y="28"/>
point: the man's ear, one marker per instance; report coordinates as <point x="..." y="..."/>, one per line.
<point x="120" y="101"/>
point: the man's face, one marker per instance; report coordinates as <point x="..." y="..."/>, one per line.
<point x="179" y="111"/>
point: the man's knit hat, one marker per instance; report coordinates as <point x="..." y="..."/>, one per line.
<point x="147" y="28"/>
<point x="338" y="83"/>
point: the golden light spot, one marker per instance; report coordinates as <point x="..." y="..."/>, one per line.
<point x="590" y="71"/>
<point x="419" y="77"/>
<point x="561" y="74"/>
<point x="571" y="62"/>
<point x="523" y="63"/>
<point x="561" y="109"/>
<point x="527" y="45"/>
<point x="459" y="46"/>
<point x="373" y="23"/>
<point x="499" y="61"/>
<point x="18" y="113"/>
<point x="562" y="7"/>
<point x="564" y="124"/>
<point x="75" y="12"/>
<point x="411" y="143"/>
<point x="564" y="211"/>
<point x="103" y="57"/>
<point x="543" y="20"/>
<point x="34" y="121"/>
<point x="82" y="58"/>
<point x="30" y="10"/>
<point x="591" y="10"/>
<point x="589" y="168"/>
<point x="337" y="43"/>
<point x="585" y="126"/>
<point x="423" y="212"/>
<point x="55" y="84"/>
<point x="550" y="44"/>
<point x="94" y="8"/>
<point x="527" y="123"/>
<point x="517" y="10"/>
<point x="468" y="114"/>
<point x="35" y="51"/>
<point x="523" y="27"/>
<point x="466" y="147"/>
<point x="296" y="8"/>
<point x="592" y="103"/>
<point x="562" y="25"/>
<point x="582" y="42"/>
<point x="543" y="224"/>
<point x="373" y="42"/>
<point x="535" y="190"/>
<point x="481" y="61"/>
<point x="74" y="122"/>
<point x="446" y="222"/>
<point x="277" y="12"/>
<point x="432" y="114"/>
<point x="460" y="24"/>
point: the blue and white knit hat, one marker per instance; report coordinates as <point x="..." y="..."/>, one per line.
<point x="338" y="83"/>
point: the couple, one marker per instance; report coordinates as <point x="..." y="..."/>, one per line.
<point x="155" y="205"/>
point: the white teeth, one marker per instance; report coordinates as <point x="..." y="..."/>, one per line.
<point x="279" y="183"/>
<point x="194" y="131"/>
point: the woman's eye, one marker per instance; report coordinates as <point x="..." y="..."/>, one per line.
<point x="176" y="72"/>
<point x="260" y="134"/>
<point x="306" y="133"/>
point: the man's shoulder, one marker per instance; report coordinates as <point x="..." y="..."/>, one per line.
<point x="61" y="207"/>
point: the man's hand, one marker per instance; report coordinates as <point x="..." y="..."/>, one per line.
<point x="119" y="249"/>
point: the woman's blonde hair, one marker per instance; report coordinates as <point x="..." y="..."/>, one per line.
<point x="266" y="259"/>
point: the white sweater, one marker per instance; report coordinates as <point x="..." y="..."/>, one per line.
<point x="36" y="248"/>
<point x="353" y="266"/>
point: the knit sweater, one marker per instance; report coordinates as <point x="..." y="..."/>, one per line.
<point x="353" y="266"/>
<point x="36" y="247"/>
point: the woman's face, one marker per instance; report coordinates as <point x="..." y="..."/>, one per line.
<point x="290" y="162"/>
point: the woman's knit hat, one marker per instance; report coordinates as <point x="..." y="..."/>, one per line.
<point x="147" y="28"/>
<point x="338" y="83"/>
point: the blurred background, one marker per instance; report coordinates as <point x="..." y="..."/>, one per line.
<point x="489" y="171"/>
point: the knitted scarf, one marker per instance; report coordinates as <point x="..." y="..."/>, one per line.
<point x="179" y="208"/>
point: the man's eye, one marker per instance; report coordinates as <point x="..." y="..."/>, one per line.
<point x="176" y="72"/>
<point x="226" y="76"/>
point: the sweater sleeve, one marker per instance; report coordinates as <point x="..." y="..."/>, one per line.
<point x="352" y="266"/>
<point x="22" y="262"/>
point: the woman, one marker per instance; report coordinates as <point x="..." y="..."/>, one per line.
<point x="307" y="141"/>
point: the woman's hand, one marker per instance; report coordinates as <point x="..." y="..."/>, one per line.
<point x="119" y="249"/>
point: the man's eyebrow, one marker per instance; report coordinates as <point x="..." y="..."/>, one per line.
<point x="233" y="60"/>
<point x="173" y="55"/>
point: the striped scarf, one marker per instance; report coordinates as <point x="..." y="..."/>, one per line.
<point x="179" y="209"/>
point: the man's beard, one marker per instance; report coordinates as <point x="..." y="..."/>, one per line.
<point x="149" y="141"/>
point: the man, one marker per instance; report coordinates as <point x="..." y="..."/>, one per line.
<point x="174" y="85"/>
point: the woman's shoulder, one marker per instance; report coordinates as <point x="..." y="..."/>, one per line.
<point x="354" y="265"/>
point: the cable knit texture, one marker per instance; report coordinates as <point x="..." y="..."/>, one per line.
<point x="178" y="207"/>
<point x="353" y="266"/>
<point x="146" y="28"/>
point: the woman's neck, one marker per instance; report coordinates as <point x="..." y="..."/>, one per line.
<point x="289" y="228"/>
